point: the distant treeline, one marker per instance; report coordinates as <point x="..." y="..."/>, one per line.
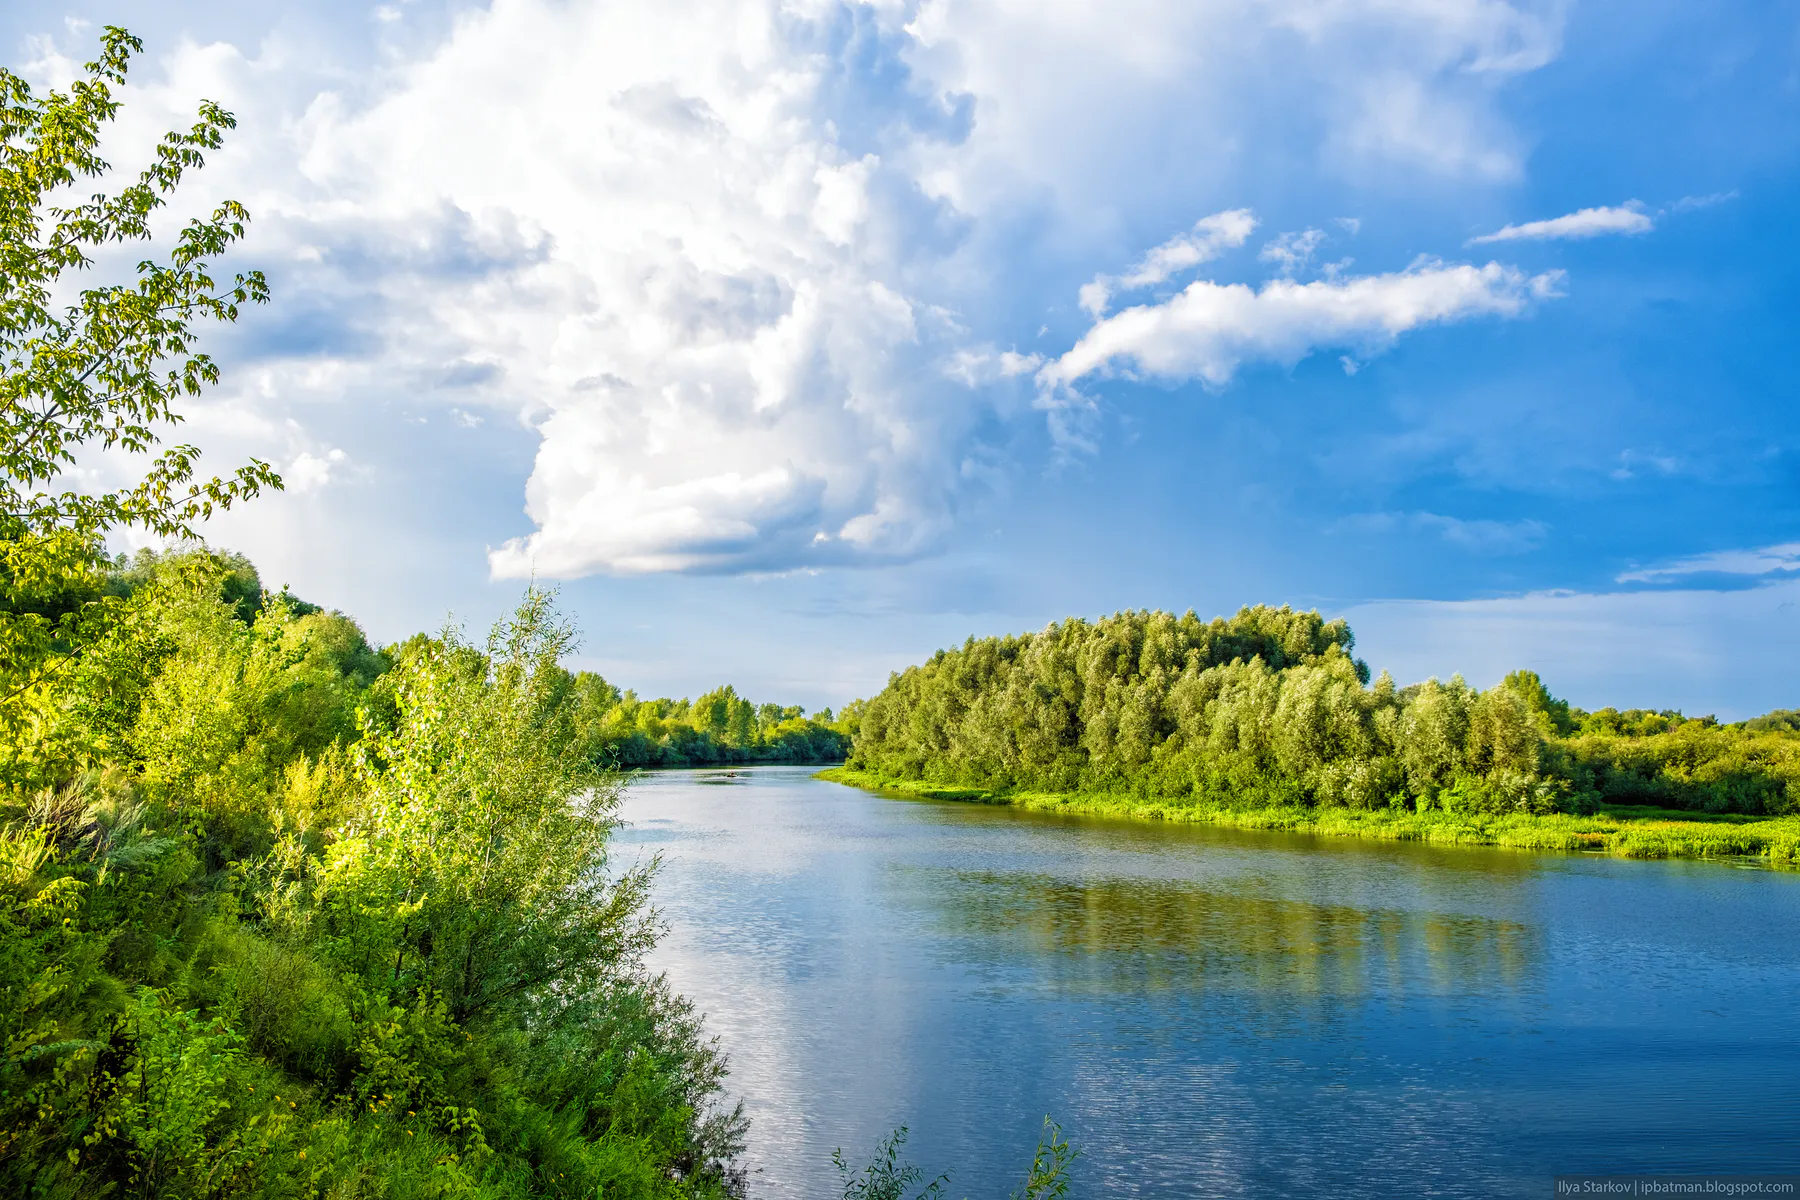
<point x="718" y="727"/>
<point x="1271" y="707"/>
<point x="617" y="728"/>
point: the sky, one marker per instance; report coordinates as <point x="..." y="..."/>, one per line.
<point x="794" y="340"/>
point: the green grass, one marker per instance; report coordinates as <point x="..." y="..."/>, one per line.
<point x="1629" y="832"/>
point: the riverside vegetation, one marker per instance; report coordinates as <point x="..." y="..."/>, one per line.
<point x="282" y="914"/>
<point x="720" y="727"/>
<point x="1266" y="720"/>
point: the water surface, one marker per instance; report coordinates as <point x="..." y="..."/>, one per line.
<point x="1217" y="1012"/>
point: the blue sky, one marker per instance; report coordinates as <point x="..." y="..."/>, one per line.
<point x="797" y="340"/>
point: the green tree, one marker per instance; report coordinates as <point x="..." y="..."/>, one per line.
<point x="475" y="870"/>
<point x="1434" y="729"/>
<point x="103" y="370"/>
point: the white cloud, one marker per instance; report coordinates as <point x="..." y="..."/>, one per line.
<point x="843" y="202"/>
<point x="309" y="471"/>
<point x="1628" y="218"/>
<point x="683" y="276"/>
<point x="1768" y="560"/>
<point x="1071" y="99"/>
<point x="1691" y="203"/>
<point x="1210" y="237"/>
<point x="1400" y="119"/>
<point x="978" y="367"/>
<point x="1209" y="330"/>
<point x="729" y="293"/>
<point x="1292" y="252"/>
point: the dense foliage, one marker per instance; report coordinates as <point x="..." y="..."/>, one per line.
<point x="1270" y="708"/>
<point x="719" y="727"/>
<point x="280" y="918"/>
<point x="97" y="367"/>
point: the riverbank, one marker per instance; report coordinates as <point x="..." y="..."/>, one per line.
<point x="1626" y="832"/>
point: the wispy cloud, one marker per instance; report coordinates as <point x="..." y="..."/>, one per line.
<point x="1208" y="330"/>
<point x="1627" y="218"/>
<point x="982" y="365"/>
<point x="1690" y="203"/>
<point x="1292" y="251"/>
<point x="1769" y="560"/>
<point x="1635" y="463"/>
<point x="1477" y="536"/>
<point x="1210" y="237"/>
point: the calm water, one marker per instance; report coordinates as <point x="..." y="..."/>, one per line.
<point x="1217" y="1013"/>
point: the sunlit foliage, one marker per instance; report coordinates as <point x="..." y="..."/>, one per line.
<point x="100" y="367"/>
<point x="1270" y="708"/>
<point x="718" y="727"/>
<point x="297" y="922"/>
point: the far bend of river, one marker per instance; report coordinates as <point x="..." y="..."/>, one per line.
<point x="1211" y="1012"/>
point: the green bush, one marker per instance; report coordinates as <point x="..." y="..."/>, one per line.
<point x="239" y="962"/>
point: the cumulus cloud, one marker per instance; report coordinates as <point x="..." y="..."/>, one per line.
<point x="724" y="271"/>
<point x="687" y="279"/>
<point x="1768" y="560"/>
<point x="310" y="471"/>
<point x="1628" y="218"/>
<point x="1208" y="330"/>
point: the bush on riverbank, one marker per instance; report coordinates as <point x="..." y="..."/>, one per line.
<point x="278" y="923"/>
<point x="1270" y="709"/>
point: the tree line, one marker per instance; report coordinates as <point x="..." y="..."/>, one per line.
<point x="1270" y="707"/>
<point x="718" y="727"/>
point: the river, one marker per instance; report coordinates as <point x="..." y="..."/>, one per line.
<point x="1215" y="1012"/>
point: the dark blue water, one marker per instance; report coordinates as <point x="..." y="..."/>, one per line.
<point x="1211" y="1012"/>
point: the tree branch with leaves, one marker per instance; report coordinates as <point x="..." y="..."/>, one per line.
<point x="102" y="370"/>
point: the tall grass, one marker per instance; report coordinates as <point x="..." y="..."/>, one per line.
<point x="1628" y="832"/>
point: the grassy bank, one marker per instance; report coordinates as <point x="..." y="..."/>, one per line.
<point x="1627" y="832"/>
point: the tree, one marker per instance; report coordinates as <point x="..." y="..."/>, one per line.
<point x="476" y="868"/>
<point x="103" y="371"/>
